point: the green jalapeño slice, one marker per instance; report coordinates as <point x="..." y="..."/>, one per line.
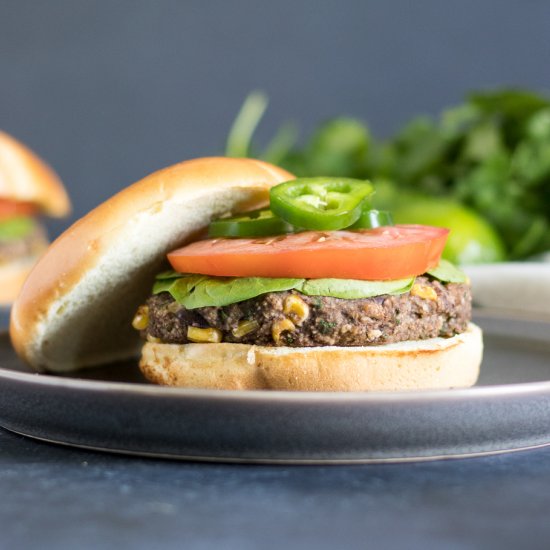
<point x="320" y="203"/>
<point x="369" y="219"/>
<point x="258" y="223"/>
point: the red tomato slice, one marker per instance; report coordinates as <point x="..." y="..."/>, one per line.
<point x="383" y="253"/>
<point x="10" y="209"/>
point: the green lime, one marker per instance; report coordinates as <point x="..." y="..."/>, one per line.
<point x="472" y="239"/>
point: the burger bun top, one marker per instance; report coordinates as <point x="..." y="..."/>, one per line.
<point x="76" y="307"/>
<point x="24" y="177"/>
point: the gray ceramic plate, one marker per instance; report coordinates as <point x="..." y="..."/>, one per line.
<point x="112" y="409"/>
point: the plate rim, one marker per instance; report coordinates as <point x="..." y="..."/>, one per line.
<point x="278" y="461"/>
<point x="105" y="386"/>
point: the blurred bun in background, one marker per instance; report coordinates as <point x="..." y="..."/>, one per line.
<point x="29" y="188"/>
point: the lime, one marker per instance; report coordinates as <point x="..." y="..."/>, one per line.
<point x="472" y="239"/>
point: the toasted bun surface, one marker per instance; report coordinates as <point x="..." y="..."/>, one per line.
<point x="421" y="364"/>
<point x="12" y="277"/>
<point x="26" y="177"/>
<point x="75" y="309"/>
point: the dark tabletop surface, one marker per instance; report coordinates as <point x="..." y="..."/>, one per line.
<point x="66" y="498"/>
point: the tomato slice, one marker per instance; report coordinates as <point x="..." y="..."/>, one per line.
<point x="11" y="209"/>
<point x="375" y="254"/>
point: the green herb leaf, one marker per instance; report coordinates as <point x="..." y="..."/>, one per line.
<point x="281" y="144"/>
<point x="179" y="288"/>
<point x="326" y="327"/>
<point x="194" y="291"/>
<point x="202" y="291"/>
<point x="240" y="135"/>
<point x="512" y="103"/>
<point x="339" y="148"/>
<point x="16" y="228"/>
<point x="446" y="272"/>
<point x="169" y="274"/>
<point x="354" y="289"/>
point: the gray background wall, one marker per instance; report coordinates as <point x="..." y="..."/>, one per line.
<point x="108" y="91"/>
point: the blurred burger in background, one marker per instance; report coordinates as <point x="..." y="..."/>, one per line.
<point x="29" y="188"/>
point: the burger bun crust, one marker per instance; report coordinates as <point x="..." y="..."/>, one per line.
<point x="76" y="307"/>
<point x="437" y="363"/>
<point x="12" y="277"/>
<point x="25" y="177"/>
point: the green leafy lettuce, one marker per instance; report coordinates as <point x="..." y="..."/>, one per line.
<point x="446" y="272"/>
<point x="16" y="228"/>
<point x="352" y="289"/>
<point x="194" y="291"/>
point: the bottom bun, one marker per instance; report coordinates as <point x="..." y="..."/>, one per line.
<point x="420" y="364"/>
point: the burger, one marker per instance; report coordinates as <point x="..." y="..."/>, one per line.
<point x="28" y="188"/>
<point x="232" y="274"/>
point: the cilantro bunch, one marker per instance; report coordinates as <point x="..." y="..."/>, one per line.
<point x="490" y="155"/>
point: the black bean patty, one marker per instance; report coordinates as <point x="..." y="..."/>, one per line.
<point x="32" y="244"/>
<point x="431" y="309"/>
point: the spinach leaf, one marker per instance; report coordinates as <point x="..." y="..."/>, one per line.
<point x="179" y="288"/>
<point x="446" y="272"/>
<point x="193" y="291"/>
<point x="16" y="228"/>
<point x="168" y="274"/>
<point x="354" y="289"/>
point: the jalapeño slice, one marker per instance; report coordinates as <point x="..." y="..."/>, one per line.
<point x="320" y="203"/>
<point x="258" y="223"/>
<point x="369" y="219"/>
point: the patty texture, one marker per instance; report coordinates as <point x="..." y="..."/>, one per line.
<point x="289" y="318"/>
<point x="32" y="244"/>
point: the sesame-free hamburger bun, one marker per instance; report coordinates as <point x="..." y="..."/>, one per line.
<point x="25" y="177"/>
<point x="75" y="309"/>
<point x="434" y="363"/>
<point x="28" y="188"/>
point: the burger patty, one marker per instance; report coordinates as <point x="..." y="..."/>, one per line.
<point x="32" y="244"/>
<point x="289" y="318"/>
